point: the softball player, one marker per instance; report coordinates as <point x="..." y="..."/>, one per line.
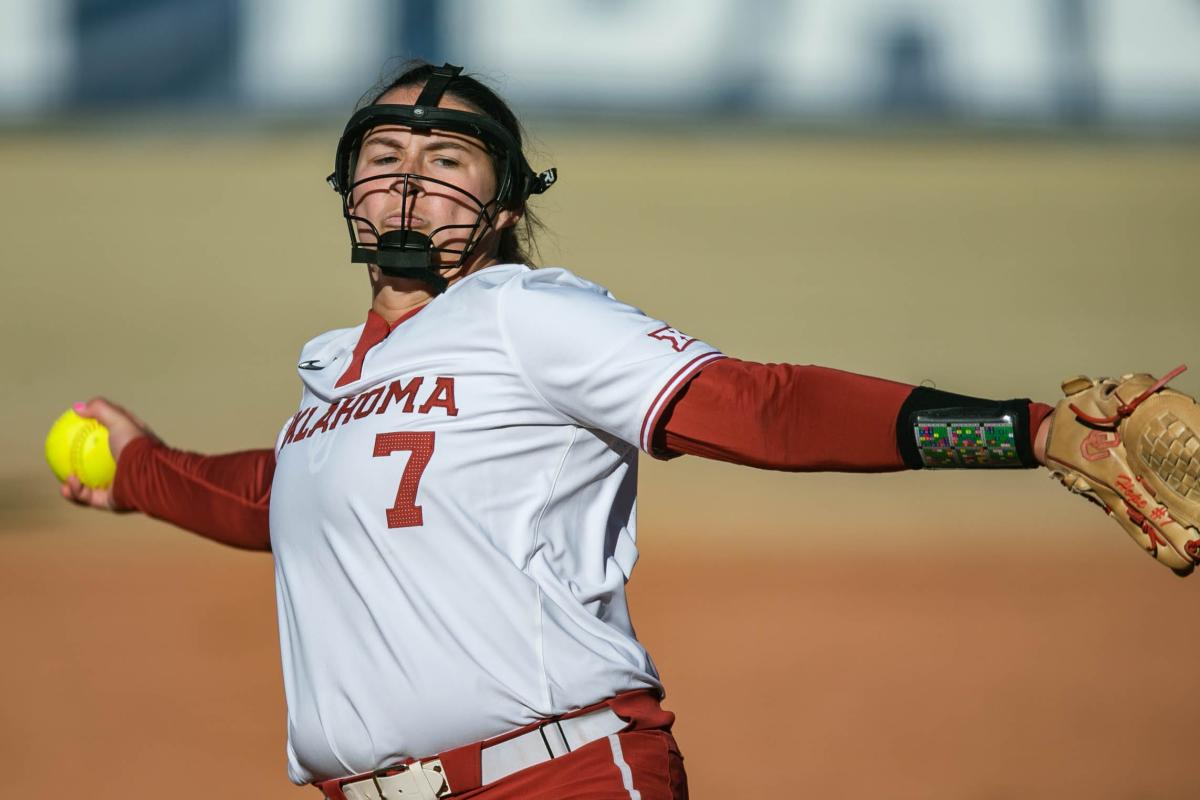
<point x="452" y="508"/>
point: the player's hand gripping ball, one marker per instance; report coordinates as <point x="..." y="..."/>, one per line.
<point x="79" y="446"/>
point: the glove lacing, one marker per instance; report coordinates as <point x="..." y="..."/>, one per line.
<point x="1125" y="409"/>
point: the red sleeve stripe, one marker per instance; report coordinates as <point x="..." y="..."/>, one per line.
<point x="668" y="391"/>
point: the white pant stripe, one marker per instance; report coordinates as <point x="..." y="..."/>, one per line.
<point x="626" y="774"/>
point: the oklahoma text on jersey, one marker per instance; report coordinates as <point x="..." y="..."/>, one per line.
<point x="401" y="394"/>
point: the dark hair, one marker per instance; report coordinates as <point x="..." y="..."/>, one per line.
<point x="515" y="242"/>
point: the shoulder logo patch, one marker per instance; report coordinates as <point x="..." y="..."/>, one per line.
<point x="677" y="340"/>
<point x="311" y="364"/>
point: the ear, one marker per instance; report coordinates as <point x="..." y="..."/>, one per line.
<point x="507" y="217"/>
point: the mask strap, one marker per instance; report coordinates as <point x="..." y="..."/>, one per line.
<point x="435" y="87"/>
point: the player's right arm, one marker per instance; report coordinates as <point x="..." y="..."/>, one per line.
<point x="223" y="497"/>
<point x="123" y="427"/>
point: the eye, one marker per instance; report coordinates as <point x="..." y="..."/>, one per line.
<point x="448" y="163"/>
<point x="384" y="160"/>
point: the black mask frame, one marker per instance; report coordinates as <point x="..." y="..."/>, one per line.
<point x="407" y="253"/>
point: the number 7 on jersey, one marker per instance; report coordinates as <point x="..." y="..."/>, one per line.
<point x="405" y="513"/>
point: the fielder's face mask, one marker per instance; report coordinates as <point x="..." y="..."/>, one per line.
<point x="407" y="253"/>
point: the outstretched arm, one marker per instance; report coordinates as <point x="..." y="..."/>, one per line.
<point x="797" y="418"/>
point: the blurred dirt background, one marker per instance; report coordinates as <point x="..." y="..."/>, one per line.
<point x="948" y="635"/>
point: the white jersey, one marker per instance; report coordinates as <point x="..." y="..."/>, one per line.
<point x="453" y="530"/>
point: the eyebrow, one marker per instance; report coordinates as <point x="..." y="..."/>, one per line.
<point x="436" y="144"/>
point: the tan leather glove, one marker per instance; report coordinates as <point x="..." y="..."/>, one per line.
<point x="1133" y="447"/>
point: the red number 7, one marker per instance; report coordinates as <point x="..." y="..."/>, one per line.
<point x="406" y="513"/>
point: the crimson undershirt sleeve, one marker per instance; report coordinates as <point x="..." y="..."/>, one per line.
<point x="791" y="417"/>
<point x="223" y="497"/>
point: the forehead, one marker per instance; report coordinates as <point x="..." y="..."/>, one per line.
<point x="407" y="96"/>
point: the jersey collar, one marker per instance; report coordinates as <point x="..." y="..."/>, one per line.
<point x="374" y="331"/>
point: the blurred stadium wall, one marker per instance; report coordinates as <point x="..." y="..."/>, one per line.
<point x="1123" y="63"/>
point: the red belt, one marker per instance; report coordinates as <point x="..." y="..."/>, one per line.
<point x="471" y="766"/>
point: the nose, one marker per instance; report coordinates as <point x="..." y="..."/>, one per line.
<point x="406" y="183"/>
<point x="402" y="181"/>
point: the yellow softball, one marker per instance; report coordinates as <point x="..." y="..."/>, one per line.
<point x="78" y="446"/>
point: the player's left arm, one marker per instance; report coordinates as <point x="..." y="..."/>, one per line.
<point x="1130" y="445"/>
<point x="809" y="418"/>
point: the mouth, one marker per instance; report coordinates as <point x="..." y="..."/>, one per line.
<point x="403" y="222"/>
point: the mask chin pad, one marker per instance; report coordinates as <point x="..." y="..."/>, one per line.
<point x="402" y="254"/>
<point x="405" y="249"/>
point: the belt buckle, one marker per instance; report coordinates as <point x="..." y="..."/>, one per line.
<point x="416" y="780"/>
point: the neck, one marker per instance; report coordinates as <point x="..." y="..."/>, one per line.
<point x="392" y="302"/>
<point x="392" y="298"/>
